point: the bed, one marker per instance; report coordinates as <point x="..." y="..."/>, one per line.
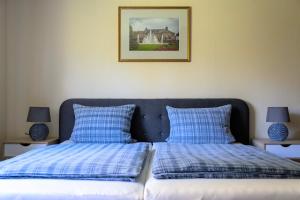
<point x="62" y="172"/>
<point x="49" y="189"/>
<point x="150" y="123"/>
<point x="219" y="189"/>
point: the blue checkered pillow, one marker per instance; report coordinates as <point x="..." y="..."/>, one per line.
<point x="102" y="124"/>
<point x="200" y="125"/>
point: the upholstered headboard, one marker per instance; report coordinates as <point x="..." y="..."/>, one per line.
<point x="150" y="121"/>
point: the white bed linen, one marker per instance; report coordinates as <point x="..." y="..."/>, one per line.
<point x="221" y="189"/>
<point x="58" y="189"/>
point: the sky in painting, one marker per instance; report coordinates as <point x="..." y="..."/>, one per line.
<point x="139" y="24"/>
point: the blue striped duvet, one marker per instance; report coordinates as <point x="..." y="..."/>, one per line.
<point x="115" y="162"/>
<point x="173" y="161"/>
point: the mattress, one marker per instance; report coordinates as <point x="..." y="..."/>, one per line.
<point x="49" y="189"/>
<point x="220" y="189"/>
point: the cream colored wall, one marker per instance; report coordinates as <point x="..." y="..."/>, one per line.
<point x="59" y="49"/>
<point x="2" y="73"/>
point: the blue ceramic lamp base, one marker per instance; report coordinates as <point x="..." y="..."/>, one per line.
<point x="39" y="132"/>
<point x="278" y="132"/>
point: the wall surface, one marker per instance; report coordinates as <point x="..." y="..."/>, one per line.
<point x="59" y="49"/>
<point x="2" y="73"/>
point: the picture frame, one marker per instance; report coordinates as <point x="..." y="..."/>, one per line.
<point x="154" y="34"/>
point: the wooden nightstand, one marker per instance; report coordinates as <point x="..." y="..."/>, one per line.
<point x="14" y="147"/>
<point x="286" y="149"/>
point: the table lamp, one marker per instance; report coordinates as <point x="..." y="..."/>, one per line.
<point x="278" y="131"/>
<point x="39" y="131"/>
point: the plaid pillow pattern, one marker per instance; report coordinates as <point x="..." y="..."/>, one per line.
<point x="102" y="124"/>
<point x="200" y="125"/>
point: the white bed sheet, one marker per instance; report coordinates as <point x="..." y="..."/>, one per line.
<point x="221" y="189"/>
<point x="49" y="189"/>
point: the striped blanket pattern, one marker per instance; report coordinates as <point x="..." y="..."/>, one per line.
<point x="232" y="161"/>
<point x="113" y="162"/>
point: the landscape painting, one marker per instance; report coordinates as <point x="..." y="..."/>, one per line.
<point x="154" y="34"/>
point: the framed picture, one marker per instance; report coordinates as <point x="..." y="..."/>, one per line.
<point x="154" y="34"/>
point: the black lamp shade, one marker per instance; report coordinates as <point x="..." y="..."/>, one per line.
<point x="278" y="114"/>
<point x="39" y="114"/>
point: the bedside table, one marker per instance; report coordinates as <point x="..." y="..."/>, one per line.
<point x="286" y="149"/>
<point x="14" y="147"/>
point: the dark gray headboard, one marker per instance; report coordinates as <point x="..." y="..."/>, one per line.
<point x="150" y="121"/>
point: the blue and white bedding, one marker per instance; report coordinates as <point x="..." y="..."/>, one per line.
<point x="233" y="161"/>
<point x="102" y="125"/>
<point x="113" y="162"/>
<point x="200" y="125"/>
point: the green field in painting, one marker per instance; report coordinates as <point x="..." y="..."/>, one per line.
<point x="155" y="47"/>
<point x="148" y="47"/>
